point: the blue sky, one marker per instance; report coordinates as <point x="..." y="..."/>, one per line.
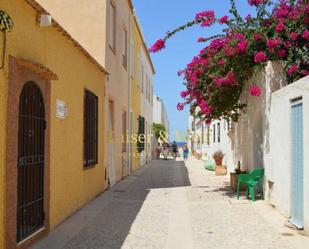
<point x="157" y="17"/>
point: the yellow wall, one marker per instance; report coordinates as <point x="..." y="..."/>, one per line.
<point x="136" y="93"/>
<point x="71" y="185"/>
<point x="3" y="127"/>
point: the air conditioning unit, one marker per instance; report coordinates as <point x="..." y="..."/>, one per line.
<point x="45" y="20"/>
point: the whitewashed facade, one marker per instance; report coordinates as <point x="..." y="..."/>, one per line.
<point x="159" y="113"/>
<point x="265" y="136"/>
<point x="145" y="81"/>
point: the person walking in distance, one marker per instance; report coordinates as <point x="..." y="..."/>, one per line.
<point x="165" y="150"/>
<point x="175" y="150"/>
<point x="185" y="152"/>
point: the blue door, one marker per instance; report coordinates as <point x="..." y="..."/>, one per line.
<point x="297" y="208"/>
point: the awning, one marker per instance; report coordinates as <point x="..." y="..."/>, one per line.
<point x="37" y="68"/>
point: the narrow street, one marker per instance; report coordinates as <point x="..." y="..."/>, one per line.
<point x="173" y="205"/>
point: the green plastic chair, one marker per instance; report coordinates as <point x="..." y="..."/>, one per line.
<point x="252" y="180"/>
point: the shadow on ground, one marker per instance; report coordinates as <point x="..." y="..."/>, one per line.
<point x="106" y="221"/>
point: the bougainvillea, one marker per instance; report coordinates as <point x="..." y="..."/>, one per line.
<point x="216" y="77"/>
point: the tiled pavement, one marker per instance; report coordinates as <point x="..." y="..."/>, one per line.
<point x="174" y="205"/>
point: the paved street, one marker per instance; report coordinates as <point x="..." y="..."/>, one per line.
<point x="174" y="205"/>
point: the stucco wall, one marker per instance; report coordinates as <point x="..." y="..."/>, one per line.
<point x="278" y="169"/>
<point x="135" y="94"/>
<point x="71" y="186"/>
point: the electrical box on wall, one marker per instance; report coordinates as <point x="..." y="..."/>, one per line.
<point x="45" y="20"/>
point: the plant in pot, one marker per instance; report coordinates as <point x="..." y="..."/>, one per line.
<point x="218" y="157"/>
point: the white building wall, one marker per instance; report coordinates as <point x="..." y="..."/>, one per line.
<point x="262" y="136"/>
<point x="146" y="104"/>
<point x="278" y="167"/>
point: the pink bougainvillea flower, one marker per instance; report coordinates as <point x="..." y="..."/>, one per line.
<point x="223" y="19"/>
<point x="305" y="35"/>
<point x="205" y="15"/>
<point x="306" y="10"/>
<point x="159" y="45"/>
<point x="184" y="94"/>
<point x="239" y="36"/>
<point x="306" y="20"/>
<point x="273" y="43"/>
<point x="256" y="2"/>
<point x="304" y="72"/>
<point x="242" y="47"/>
<point x="180" y="72"/>
<point x="255" y="90"/>
<point x="292" y="69"/>
<point x="205" y="108"/>
<point x="260" y="57"/>
<point x="280" y="27"/>
<point x="229" y="51"/>
<point x="208" y="22"/>
<point x="208" y="122"/>
<point x="281" y="53"/>
<point x="180" y="106"/>
<point x="257" y="36"/>
<point x="221" y="62"/>
<point x="294" y="36"/>
<point x="248" y="18"/>
<point x="201" y="39"/>
<point x="219" y="81"/>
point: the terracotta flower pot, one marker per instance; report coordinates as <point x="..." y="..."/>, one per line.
<point x="218" y="161"/>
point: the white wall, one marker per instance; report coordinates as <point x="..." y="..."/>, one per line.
<point x="278" y="167"/>
<point x="146" y="105"/>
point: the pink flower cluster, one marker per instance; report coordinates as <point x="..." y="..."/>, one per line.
<point x="206" y="17"/>
<point x="229" y="79"/>
<point x="260" y="57"/>
<point x="180" y="106"/>
<point x="256" y="2"/>
<point x="255" y="91"/>
<point x="205" y="108"/>
<point x="159" y="45"/>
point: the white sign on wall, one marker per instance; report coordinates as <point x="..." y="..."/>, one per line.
<point x="61" y="109"/>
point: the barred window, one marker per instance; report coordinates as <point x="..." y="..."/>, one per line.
<point x="90" y="129"/>
<point x="141" y="133"/>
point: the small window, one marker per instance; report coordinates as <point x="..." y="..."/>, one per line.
<point x="208" y="135"/>
<point x="125" y="49"/>
<point x="214" y="133"/>
<point x="112" y="26"/>
<point x="90" y="129"/>
<point x="141" y="134"/>
<point x="218" y="132"/>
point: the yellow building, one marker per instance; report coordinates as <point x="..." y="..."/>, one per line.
<point x="109" y="30"/>
<point x="142" y="92"/>
<point x="52" y="107"/>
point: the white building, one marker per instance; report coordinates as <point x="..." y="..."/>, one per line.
<point x="159" y="113"/>
<point x="270" y="133"/>
<point x="145" y="81"/>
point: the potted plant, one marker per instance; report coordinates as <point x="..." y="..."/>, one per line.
<point x="234" y="177"/>
<point x="218" y="157"/>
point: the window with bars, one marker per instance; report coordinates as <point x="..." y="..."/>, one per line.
<point x="218" y="132"/>
<point x="141" y="131"/>
<point x="125" y="49"/>
<point x="214" y="133"/>
<point x="90" y="129"/>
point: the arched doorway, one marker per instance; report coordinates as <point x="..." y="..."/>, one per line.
<point x="30" y="164"/>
